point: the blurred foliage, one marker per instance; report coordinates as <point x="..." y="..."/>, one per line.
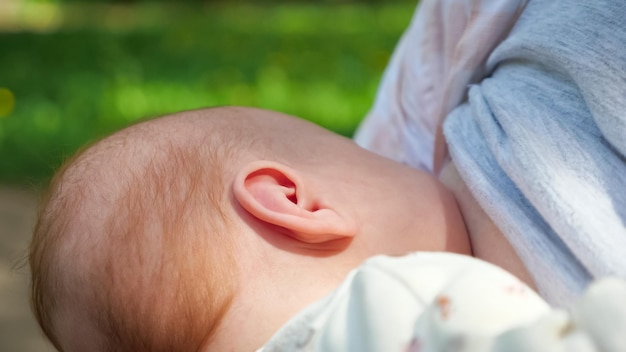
<point x="99" y="68"/>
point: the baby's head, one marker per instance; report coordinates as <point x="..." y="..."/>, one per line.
<point x="209" y="229"/>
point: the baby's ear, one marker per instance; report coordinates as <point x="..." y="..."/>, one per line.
<point x="278" y="195"/>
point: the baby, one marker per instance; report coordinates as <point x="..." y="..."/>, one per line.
<point x="183" y="232"/>
<point x="215" y="229"/>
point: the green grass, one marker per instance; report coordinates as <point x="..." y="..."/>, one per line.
<point x="96" y="69"/>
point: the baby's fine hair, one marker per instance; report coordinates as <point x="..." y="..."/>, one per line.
<point x="132" y="243"/>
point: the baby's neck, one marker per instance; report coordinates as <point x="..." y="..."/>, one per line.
<point x="488" y="242"/>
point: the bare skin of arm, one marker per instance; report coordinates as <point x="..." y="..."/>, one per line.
<point x="488" y="242"/>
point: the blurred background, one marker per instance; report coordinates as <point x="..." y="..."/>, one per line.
<point x="73" y="71"/>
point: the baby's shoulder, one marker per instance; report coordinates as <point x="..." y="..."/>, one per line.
<point x="387" y="302"/>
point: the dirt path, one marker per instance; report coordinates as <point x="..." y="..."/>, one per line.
<point x="18" y="330"/>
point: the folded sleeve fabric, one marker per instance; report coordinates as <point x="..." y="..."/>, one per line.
<point x="448" y="302"/>
<point x="541" y="142"/>
<point x="444" y="49"/>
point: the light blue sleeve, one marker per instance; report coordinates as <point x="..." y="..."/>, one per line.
<point x="542" y="142"/>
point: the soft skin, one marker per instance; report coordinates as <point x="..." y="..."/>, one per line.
<point x="308" y="220"/>
<point x="308" y="206"/>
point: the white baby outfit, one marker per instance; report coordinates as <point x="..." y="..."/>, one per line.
<point x="449" y="302"/>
